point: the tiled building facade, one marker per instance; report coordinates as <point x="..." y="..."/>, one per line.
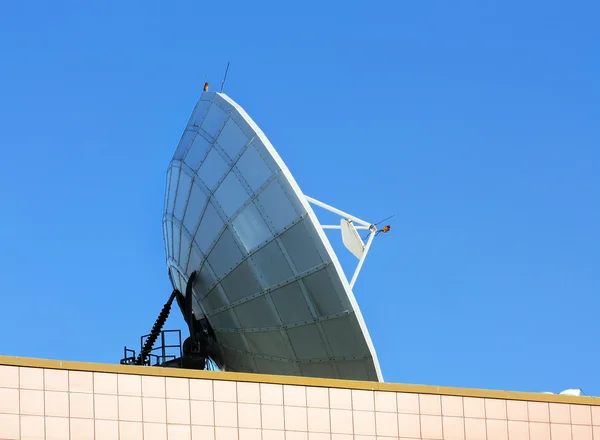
<point x="67" y="400"/>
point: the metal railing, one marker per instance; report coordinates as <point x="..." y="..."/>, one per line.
<point x="158" y="355"/>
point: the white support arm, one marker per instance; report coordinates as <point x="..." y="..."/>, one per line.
<point x="339" y="227"/>
<point x="338" y="212"/>
<point x="362" y="259"/>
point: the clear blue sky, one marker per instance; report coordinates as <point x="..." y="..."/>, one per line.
<point x="476" y="123"/>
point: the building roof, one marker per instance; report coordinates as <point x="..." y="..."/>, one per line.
<point x="294" y="380"/>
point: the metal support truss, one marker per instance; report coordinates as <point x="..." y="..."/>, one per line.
<point x="360" y="225"/>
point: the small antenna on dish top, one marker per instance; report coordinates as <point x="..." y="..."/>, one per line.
<point x="225" y="77"/>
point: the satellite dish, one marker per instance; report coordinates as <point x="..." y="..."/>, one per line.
<point x="266" y="279"/>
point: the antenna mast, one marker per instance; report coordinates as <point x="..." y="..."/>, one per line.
<point x="225" y="77"/>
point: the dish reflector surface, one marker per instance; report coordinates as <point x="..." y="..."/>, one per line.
<point x="268" y="280"/>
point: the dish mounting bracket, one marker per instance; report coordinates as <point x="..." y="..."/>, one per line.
<point x="349" y="226"/>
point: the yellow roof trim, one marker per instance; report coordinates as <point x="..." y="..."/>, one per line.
<point x="294" y="380"/>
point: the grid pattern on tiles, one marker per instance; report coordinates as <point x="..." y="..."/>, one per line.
<point x="293" y="380"/>
<point x="38" y="403"/>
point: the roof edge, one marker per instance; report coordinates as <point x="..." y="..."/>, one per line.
<point x="294" y="380"/>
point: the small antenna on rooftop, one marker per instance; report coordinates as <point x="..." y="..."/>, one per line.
<point x="225" y="77"/>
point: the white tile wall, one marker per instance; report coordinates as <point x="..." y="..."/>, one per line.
<point x="37" y="403"/>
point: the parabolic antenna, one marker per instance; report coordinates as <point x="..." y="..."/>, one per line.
<point x="265" y="276"/>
